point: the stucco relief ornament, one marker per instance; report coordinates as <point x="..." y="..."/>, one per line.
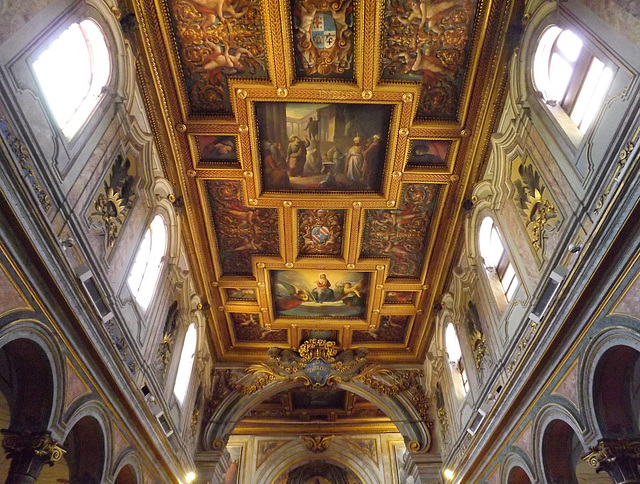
<point x="114" y="201"/>
<point x="536" y="207"/>
<point x="317" y="443"/>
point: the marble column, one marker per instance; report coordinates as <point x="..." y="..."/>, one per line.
<point x="617" y="457"/>
<point x="29" y="451"/>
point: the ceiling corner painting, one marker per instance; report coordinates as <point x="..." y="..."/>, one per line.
<point x="401" y="234"/>
<point x="322" y="147"/>
<point x="323" y="38"/>
<point x="240" y="231"/>
<point x="320" y="295"/>
<point x="216" y="148"/>
<point x="392" y="329"/>
<point x="247" y="327"/>
<point x="218" y="39"/>
<point x="429" y="41"/>
<point x="320" y="232"/>
<point x="426" y="152"/>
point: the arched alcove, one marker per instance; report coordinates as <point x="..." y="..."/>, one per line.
<point x="617" y="405"/>
<point x="85" y="445"/>
<point x="562" y="452"/>
<point x="127" y="475"/>
<point x="517" y="475"/>
<point x="27" y="396"/>
<point x="26" y="380"/>
<point x="321" y="471"/>
<point x="398" y="408"/>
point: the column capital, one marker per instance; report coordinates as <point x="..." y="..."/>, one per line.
<point x="40" y="443"/>
<point x="28" y="452"/>
<point x="618" y="457"/>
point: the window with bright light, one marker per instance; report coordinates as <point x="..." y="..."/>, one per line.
<point x="145" y="272"/>
<point x="72" y="74"/>
<point x="185" y="366"/>
<point x="455" y="356"/>
<point x="570" y="76"/>
<point x="496" y="258"/>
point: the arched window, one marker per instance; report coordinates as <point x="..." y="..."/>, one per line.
<point x="72" y="73"/>
<point x="569" y="76"/>
<point x="455" y="356"/>
<point x="496" y="258"/>
<point x="186" y="364"/>
<point x="144" y="274"/>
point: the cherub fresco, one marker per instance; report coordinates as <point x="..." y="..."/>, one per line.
<point x="218" y="39"/>
<point x="401" y="233"/>
<point x="428" y="40"/>
<point x="241" y="231"/>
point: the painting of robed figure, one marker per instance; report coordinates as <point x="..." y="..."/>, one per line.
<point x="313" y="294"/>
<point x="324" y="147"/>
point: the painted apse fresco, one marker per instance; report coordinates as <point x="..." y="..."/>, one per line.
<point x="337" y="147"/>
<point x="240" y="231"/>
<point x="318" y="472"/>
<point x="429" y="41"/>
<point x="323" y="38"/>
<point x="217" y="39"/>
<point x="315" y="294"/>
<point x="401" y="234"/>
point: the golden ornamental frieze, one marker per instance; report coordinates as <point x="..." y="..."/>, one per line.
<point x="534" y="203"/>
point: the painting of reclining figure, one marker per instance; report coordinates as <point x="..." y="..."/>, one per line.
<point x="338" y="147"/>
<point x="313" y="294"/>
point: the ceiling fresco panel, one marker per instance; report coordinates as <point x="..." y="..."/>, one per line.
<point x="247" y="328"/>
<point x="320" y="232"/>
<point x="322" y="147"/>
<point x="429" y="41"/>
<point x="323" y="38"/>
<point x="392" y="329"/>
<point x="217" y="39"/>
<point x="402" y="233"/>
<point x="240" y="231"/>
<point x="216" y="149"/>
<point x="313" y="294"/>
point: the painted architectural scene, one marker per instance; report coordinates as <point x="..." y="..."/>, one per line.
<point x="426" y="152"/>
<point x="323" y="147"/>
<point x="323" y="38"/>
<point x="216" y="148"/>
<point x="314" y="294"/>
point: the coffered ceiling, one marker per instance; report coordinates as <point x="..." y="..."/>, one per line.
<point x="323" y="150"/>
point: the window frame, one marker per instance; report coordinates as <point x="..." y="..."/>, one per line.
<point x="100" y="98"/>
<point x="181" y="373"/>
<point x="561" y="110"/>
<point x="504" y="262"/>
<point x="145" y="305"/>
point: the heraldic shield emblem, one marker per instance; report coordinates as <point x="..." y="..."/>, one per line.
<point x="323" y="30"/>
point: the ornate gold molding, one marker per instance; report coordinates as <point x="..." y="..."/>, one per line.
<point x="317" y="443"/>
